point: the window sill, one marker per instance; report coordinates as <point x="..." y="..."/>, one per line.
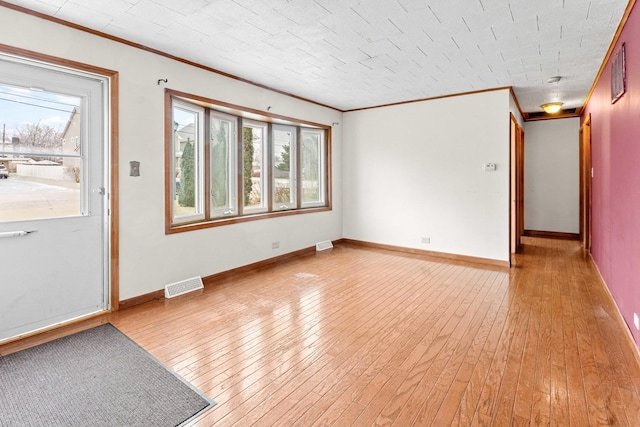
<point x="219" y="222"/>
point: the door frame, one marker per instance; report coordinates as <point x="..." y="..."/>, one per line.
<point x="520" y="184"/>
<point x="585" y="183"/>
<point x="516" y="186"/>
<point x="111" y="162"/>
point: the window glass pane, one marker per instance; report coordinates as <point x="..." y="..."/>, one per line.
<point x="284" y="191"/>
<point x="187" y="148"/>
<point x="311" y="167"/>
<point x="223" y="189"/>
<point x="40" y="154"/>
<point x="253" y="151"/>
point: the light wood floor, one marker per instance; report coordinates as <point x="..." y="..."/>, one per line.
<point x="357" y="336"/>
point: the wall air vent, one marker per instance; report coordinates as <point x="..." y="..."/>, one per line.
<point x="324" y="245"/>
<point x="182" y="287"/>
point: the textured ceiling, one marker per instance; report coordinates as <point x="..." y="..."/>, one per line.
<point x="352" y="54"/>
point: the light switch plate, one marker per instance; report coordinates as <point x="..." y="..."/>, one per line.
<point x="134" y="168"/>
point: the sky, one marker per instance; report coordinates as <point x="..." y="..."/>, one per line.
<point x="20" y="105"/>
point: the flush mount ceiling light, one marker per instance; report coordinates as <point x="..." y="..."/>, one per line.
<point x="552" y="107"/>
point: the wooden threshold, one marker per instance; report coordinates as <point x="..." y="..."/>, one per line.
<point x="49" y="334"/>
<point x="552" y="235"/>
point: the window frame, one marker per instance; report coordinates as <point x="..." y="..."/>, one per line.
<point x="293" y="168"/>
<point x="323" y="179"/>
<point x="264" y="163"/>
<point x="201" y="210"/>
<point x="211" y="217"/>
<point x="231" y="163"/>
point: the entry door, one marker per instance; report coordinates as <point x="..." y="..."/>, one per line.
<point x="53" y="219"/>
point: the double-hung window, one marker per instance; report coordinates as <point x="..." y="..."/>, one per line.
<point x="254" y="161"/>
<point x="283" y="167"/>
<point x="222" y="161"/>
<point x="312" y="167"/>
<point x="186" y="167"/>
<point x="227" y="164"/>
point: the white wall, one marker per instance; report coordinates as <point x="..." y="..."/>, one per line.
<point x="149" y="259"/>
<point x="551" y="175"/>
<point x="416" y="170"/>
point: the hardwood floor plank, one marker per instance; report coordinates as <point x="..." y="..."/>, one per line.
<point x="559" y="398"/>
<point x="362" y="336"/>
<point x="331" y="374"/>
<point x="357" y="367"/>
<point x="449" y="408"/>
<point x="491" y="394"/>
<point x="599" y="366"/>
<point x="541" y="410"/>
<point x="472" y="395"/>
<point x="593" y="394"/>
<point x="421" y="378"/>
<point x="408" y="364"/>
<point x="523" y="404"/>
<point x="432" y="340"/>
<point x="519" y="421"/>
<point x="350" y="415"/>
<point x="622" y="367"/>
<point x="462" y="332"/>
<point x="578" y="413"/>
<point x="359" y="374"/>
<point x="484" y="319"/>
<point x="506" y="396"/>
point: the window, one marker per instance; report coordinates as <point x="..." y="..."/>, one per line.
<point x="34" y="151"/>
<point x="312" y="167"/>
<point x="186" y="162"/>
<point x="254" y="149"/>
<point x="227" y="164"/>
<point x="284" y="169"/>
<point x="223" y="165"/>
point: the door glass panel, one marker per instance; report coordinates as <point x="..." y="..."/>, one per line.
<point x="41" y="154"/>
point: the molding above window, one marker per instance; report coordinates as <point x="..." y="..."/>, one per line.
<point x="244" y="112"/>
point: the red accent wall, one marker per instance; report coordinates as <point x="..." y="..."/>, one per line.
<point x="615" y="143"/>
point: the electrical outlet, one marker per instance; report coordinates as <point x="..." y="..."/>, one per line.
<point x="636" y="321"/>
<point x="426" y="240"/>
<point x="275" y="245"/>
